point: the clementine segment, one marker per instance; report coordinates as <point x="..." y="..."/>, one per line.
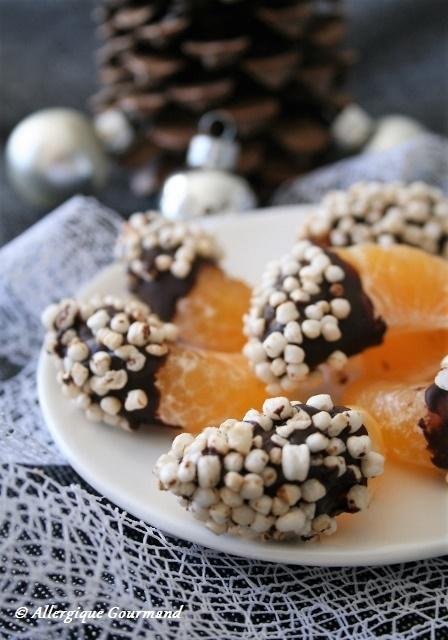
<point x="397" y="407"/>
<point x="210" y="316"/>
<point x="408" y="287"/>
<point x="409" y="356"/>
<point x="200" y="388"/>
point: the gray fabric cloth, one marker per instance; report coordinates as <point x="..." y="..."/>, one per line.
<point x="47" y="60"/>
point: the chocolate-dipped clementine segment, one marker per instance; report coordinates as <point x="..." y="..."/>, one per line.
<point x="413" y="416"/>
<point x="163" y="258"/>
<point x="285" y="472"/>
<point x="311" y="308"/>
<point x="117" y="362"/>
<point x="172" y="266"/>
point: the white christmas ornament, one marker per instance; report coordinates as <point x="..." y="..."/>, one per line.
<point x="393" y="130"/>
<point x="54" y="154"/>
<point x="114" y="130"/>
<point x="352" y="128"/>
<point x="208" y="186"/>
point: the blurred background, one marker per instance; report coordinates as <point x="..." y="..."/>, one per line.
<point x="47" y="60"/>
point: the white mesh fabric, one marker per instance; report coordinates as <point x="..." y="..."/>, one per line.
<point x="49" y="261"/>
<point x="422" y="158"/>
<point x="74" y="549"/>
<point x="63" y="544"/>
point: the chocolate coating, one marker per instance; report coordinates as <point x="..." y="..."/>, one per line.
<point x="163" y="292"/>
<point x="435" y="425"/>
<point x="107" y="354"/>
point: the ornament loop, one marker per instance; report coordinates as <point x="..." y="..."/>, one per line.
<point x="218" y="124"/>
<point x="207" y="151"/>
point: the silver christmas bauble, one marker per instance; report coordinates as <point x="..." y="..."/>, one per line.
<point x="202" y="192"/>
<point x="54" y="154"/>
<point x="208" y="186"/>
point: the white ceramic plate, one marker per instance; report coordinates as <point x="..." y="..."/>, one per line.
<point x="408" y="517"/>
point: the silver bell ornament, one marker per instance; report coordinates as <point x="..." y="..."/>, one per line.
<point x="208" y="185"/>
<point x="54" y="154"/>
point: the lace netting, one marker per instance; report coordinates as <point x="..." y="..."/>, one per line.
<point x="62" y="543"/>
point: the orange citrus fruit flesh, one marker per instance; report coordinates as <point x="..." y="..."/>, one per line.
<point x="211" y="315"/>
<point x="409" y="356"/>
<point x="199" y="388"/>
<point x="398" y="408"/>
<point x="408" y="287"/>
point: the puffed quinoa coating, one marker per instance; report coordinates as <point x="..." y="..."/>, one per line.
<point x="163" y="258"/>
<point x="177" y="243"/>
<point x="105" y="356"/>
<point x="384" y="213"/>
<point x="293" y="486"/>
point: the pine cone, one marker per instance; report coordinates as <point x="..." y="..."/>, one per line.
<point x="274" y="65"/>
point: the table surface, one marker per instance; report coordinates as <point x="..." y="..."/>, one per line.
<point x="401" y="56"/>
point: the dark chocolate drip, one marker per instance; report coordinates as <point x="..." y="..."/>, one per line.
<point x="435" y="425"/>
<point x="163" y="292"/>
<point x="360" y="330"/>
<point x="144" y="379"/>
